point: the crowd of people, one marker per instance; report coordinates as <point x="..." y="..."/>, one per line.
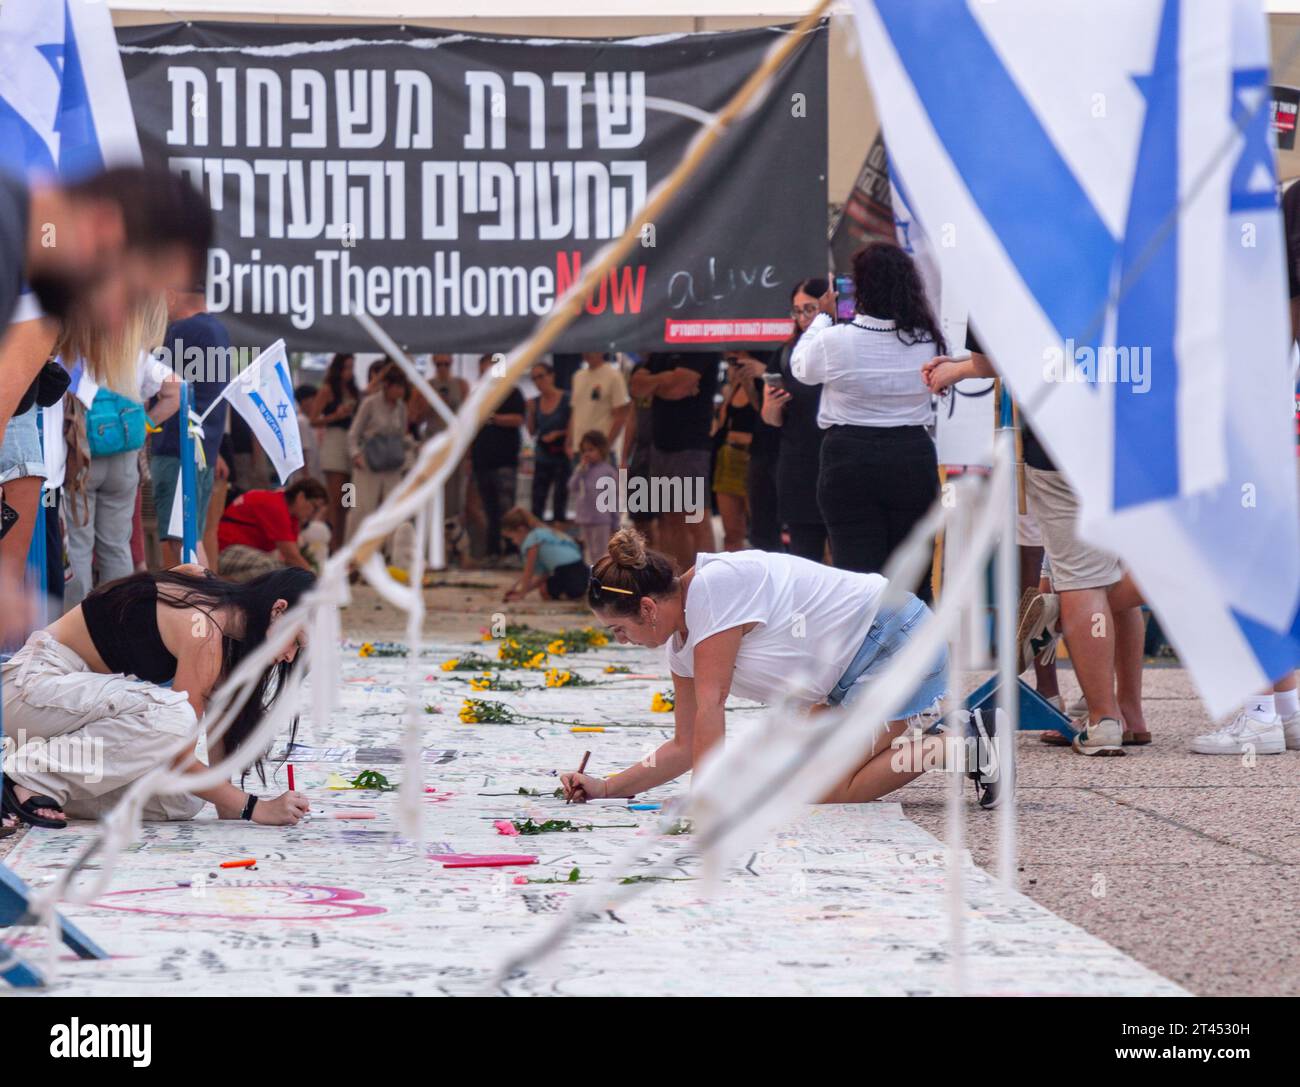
<point x="816" y="459"/>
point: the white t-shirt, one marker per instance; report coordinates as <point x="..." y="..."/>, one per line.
<point x="595" y="396"/>
<point x="811" y="618"/>
<point x="869" y="377"/>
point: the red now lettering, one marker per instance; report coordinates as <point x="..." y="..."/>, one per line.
<point x="621" y="286"/>
<point x="628" y="298"/>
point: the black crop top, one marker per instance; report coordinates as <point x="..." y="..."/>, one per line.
<point x="741" y="420"/>
<point x="125" y="630"/>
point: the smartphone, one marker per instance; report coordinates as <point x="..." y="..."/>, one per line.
<point x="844" y="298"/>
<point x="8" y="518"/>
<point x="774" y="381"/>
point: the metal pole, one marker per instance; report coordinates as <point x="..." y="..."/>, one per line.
<point x="1008" y="712"/>
<point x="188" y="481"/>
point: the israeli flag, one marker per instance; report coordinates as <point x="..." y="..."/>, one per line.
<point x="64" y="108"/>
<point x="1112" y="221"/>
<point x="263" y="395"/>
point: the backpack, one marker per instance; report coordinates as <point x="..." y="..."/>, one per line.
<point x="114" y="424"/>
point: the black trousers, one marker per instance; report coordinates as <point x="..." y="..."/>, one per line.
<point x="551" y="477"/>
<point x="496" y="490"/>
<point x="764" y="519"/>
<point x="808" y="541"/>
<point x="875" y="483"/>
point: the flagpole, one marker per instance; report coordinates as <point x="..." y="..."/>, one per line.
<point x="188" y="481"/>
<point x="1007" y="713"/>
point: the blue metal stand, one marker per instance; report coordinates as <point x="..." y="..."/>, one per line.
<point x="15" y="910"/>
<point x="1036" y="713"/>
<point x="188" y="482"/>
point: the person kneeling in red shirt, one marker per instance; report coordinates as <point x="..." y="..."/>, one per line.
<point x="265" y="530"/>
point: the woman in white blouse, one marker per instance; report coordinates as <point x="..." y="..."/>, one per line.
<point x="879" y="470"/>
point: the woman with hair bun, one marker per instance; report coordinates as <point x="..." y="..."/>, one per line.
<point x="765" y="626"/>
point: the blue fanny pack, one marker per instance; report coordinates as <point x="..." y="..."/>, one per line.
<point x="114" y="424"/>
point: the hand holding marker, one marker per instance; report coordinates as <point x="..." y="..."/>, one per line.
<point x="582" y="766"/>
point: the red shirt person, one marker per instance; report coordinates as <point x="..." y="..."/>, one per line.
<point x="269" y="523"/>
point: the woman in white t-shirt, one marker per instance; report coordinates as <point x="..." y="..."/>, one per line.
<point x="765" y="626"/>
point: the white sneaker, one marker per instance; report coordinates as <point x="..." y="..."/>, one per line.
<point x="1291" y="731"/>
<point x="1106" y="737"/>
<point x="1262" y="735"/>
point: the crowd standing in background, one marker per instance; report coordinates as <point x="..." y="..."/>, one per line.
<point x="823" y="448"/>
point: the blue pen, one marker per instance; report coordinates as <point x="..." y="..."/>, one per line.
<point x="644" y="807"/>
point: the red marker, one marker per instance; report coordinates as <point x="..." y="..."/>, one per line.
<point x="291" y="788"/>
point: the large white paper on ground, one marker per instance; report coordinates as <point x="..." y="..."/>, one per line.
<point x="1097" y="212"/>
<point x="845" y="900"/>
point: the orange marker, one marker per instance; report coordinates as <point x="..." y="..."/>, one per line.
<point x="239" y="864"/>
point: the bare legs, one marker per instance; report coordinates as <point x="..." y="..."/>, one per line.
<point x="890" y="768"/>
<point x="1104" y="631"/>
<point x="1031" y="569"/>
<point x="334" y="482"/>
<point x="735" y="521"/>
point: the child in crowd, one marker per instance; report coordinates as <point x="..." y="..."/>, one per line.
<point x="597" y="510"/>
<point x="552" y="561"/>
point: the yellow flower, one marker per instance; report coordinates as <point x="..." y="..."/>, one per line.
<point x="366" y="650"/>
<point x="661" y="703"/>
<point x="598" y="639"/>
<point x="556" y="678"/>
<point x="557" y="647"/>
<point x="466" y="714"/>
<point x="487" y="635"/>
<point x="450" y="665"/>
<point x="536" y="660"/>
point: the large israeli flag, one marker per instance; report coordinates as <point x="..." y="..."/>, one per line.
<point x="64" y="108"/>
<point x="1101" y="177"/>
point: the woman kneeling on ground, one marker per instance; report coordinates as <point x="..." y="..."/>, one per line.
<point x="765" y="626"/>
<point x="84" y="702"/>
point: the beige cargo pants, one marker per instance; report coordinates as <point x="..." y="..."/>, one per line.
<point x="82" y="737"/>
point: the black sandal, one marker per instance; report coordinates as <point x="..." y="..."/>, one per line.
<point x="26" y="810"/>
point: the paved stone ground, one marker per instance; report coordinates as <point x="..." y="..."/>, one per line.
<point x="1188" y="863"/>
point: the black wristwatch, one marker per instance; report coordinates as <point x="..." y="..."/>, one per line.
<point x="248" y="808"/>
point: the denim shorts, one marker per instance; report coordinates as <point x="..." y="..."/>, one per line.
<point x="165" y="471"/>
<point x="20" y="452"/>
<point x="892" y="629"/>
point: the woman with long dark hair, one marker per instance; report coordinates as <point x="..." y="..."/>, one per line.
<point x="336" y="402"/>
<point x="792" y="406"/>
<point x="879" y="469"/>
<point x="84" y="700"/>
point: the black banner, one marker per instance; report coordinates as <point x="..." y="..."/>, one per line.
<point x="868" y="213"/>
<point x="452" y="184"/>
<point x="1285" y="103"/>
